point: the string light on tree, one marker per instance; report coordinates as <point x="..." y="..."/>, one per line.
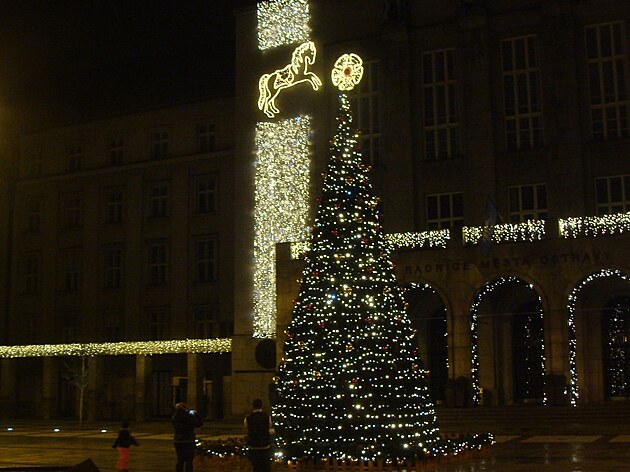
<point x="398" y="241"/>
<point x="350" y="384"/>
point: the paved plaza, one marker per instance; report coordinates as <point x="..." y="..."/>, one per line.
<point x="40" y="445"/>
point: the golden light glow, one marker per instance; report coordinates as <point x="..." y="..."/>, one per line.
<point x="594" y="226"/>
<point x="280" y="209"/>
<point x="282" y="22"/>
<point x="347" y="71"/>
<point x="296" y="72"/>
<point x="176" y="346"/>
<point x="528" y="231"/>
<point x="398" y="241"/>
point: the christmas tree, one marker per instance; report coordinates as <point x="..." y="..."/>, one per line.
<point x="351" y="383"/>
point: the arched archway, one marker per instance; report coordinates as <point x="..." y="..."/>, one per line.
<point x="507" y="341"/>
<point x="599" y="337"/>
<point x="427" y="313"/>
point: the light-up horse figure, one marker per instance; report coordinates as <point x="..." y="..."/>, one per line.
<point x="294" y="73"/>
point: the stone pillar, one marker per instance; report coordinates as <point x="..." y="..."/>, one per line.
<point x="459" y="341"/>
<point x="50" y="387"/>
<point x="95" y="391"/>
<point x="556" y="337"/>
<point x="8" y="387"/>
<point x="142" y="402"/>
<point x="194" y="392"/>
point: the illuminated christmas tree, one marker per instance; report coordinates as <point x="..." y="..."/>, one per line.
<point x="351" y="383"/>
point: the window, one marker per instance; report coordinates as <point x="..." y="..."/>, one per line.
<point x="158" y="201"/>
<point x="69" y="328"/>
<point x="33" y="215"/>
<point x="445" y="210"/>
<point x="35" y="165"/>
<point x="74" y="155"/>
<point x="70" y="277"/>
<point x="112" y="322"/>
<point x="206" y="135"/>
<point x="157" y="262"/>
<point x="114" y="203"/>
<point x="159" y="144"/>
<point x="31" y="274"/>
<point x="441" y="126"/>
<point x="606" y="62"/>
<point x="365" y="105"/>
<point x="528" y="202"/>
<point x="72" y="210"/>
<point x="204" y="321"/>
<point x="205" y="194"/>
<point x="522" y="104"/>
<point x="205" y="260"/>
<point x="613" y="194"/>
<point x="112" y="264"/>
<point x="157" y="323"/>
<point x="115" y="151"/>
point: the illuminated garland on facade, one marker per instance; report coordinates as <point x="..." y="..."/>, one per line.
<point x="280" y="209"/>
<point x="398" y="241"/>
<point x="528" y="231"/>
<point x="432" y="239"/>
<point x="176" y="346"/>
<point x="282" y="22"/>
<point x="573" y="298"/>
<point x="594" y="226"/>
<point x="474" y="311"/>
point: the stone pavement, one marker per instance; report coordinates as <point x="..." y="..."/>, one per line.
<point x="529" y="439"/>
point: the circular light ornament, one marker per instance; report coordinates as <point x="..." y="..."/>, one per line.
<point x="347" y="71"/>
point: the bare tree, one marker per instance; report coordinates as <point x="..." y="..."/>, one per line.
<point x="79" y="376"/>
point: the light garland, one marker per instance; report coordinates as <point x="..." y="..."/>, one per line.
<point x="594" y="226"/>
<point x="280" y="209"/>
<point x="397" y="241"/>
<point x="574" y="393"/>
<point x="432" y="239"/>
<point x="176" y="346"/>
<point x="282" y="22"/>
<point x="474" y="311"/>
<point x="528" y="231"/>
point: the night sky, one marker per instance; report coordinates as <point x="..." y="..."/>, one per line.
<point x="69" y="60"/>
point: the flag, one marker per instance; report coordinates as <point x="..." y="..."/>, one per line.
<point x="491" y="220"/>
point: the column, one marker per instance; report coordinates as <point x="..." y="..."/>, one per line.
<point x="7" y="386"/>
<point x="95" y="392"/>
<point x="50" y="387"/>
<point x="142" y="402"/>
<point x="194" y="392"/>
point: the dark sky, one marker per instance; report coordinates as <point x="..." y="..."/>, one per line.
<point x="67" y="60"/>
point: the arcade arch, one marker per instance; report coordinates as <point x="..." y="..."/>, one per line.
<point x="507" y="343"/>
<point x="427" y="313"/>
<point x="599" y="337"/>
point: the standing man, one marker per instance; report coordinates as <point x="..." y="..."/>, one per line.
<point x="259" y="425"/>
<point x="184" y="423"/>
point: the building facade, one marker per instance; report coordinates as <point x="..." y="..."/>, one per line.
<point x="497" y="133"/>
<point x="122" y="234"/>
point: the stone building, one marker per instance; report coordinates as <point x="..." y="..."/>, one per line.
<point x="497" y="132"/>
<point x="121" y="233"/>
